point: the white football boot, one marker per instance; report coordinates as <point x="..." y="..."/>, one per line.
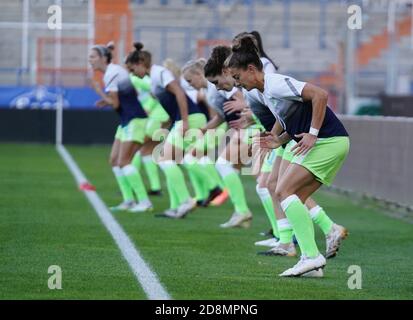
<point x="185" y="208"/>
<point x="238" y="220"/>
<point x="333" y="240"/>
<point x="142" y="206"/>
<point x="272" y="242"/>
<point x="305" y="265"/>
<point x="319" y="273"/>
<point x="282" y="249"/>
<point x="125" y="205"/>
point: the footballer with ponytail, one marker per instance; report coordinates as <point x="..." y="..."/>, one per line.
<point x="244" y="53"/>
<point x="139" y="57"/>
<point x="302" y="112"/>
<point x="119" y="93"/>
<point x="215" y="63"/>
<point x="216" y="71"/>
<point x="183" y="113"/>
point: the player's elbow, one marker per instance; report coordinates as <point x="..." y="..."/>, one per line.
<point x="323" y="95"/>
<point x="114" y="103"/>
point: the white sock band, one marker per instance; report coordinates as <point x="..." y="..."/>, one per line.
<point x="205" y="160"/>
<point x="315" y="211"/>
<point x="129" y="170"/>
<point x="117" y="171"/>
<point x="147" y="159"/>
<point x="189" y="159"/>
<point x="287" y="201"/>
<point x="283" y="224"/>
<point x="263" y="193"/>
<point x="167" y="163"/>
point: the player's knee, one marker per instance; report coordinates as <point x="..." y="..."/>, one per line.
<point x="271" y="185"/>
<point x="113" y="161"/>
<point x="123" y="161"/>
<point x="261" y="182"/>
<point x="281" y="193"/>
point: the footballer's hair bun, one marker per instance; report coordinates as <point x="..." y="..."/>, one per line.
<point x="245" y="44"/>
<point x="220" y="54"/>
<point x="138" y="45"/>
<point x="110" y="45"/>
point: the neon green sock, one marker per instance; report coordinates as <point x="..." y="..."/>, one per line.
<point x="209" y="181"/>
<point x="319" y="216"/>
<point x="209" y="168"/>
<point x="125" y="188"/>
<point x="135" y="181"/>
<point x="285" y="231"/>
<point x="152" y="173"/>
<point x="200" y="189"/>
<point x="267" y="203"/>
<point x="299" y="218"/>
<point x="173" y="197"/>
<point x="203" y="183"/>
<point x="137" y="160"/>
<point x="176" y="181"/>
<point x="212" y="172"/>
<point x="234" y="186"/>
<point x="236" y="192"/>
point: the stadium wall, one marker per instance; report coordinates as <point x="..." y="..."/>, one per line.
<point x="79" y="126"/>
<point x="380" y="161"/>
<point x="397" y="106"/>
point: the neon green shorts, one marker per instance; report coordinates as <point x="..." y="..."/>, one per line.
<point x="211" y="138"/>
<point x="288" y="155"/>
<point x="325" y="159"/>
<point x="159" y="113"/>
<point x="195" y="121"/>
<point x="156" y="115"/>
<point x="155" y="110"/>
<point x="133" y="131"/>
<point x="118" y="134"/>
<point x="269" y="161"/>
<point x="280" y="151"/>
<point x="146" y="105"/>
<point x="152" y="125"/>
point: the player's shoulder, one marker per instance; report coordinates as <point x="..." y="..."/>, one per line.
<point x="160" y="74"/>
<point x="114" y="70"/>
<point x="157" y="70"/>
<point x="273" y="80"/>
<point x="254" y="94"/>
<point x="265" y="61"/>
<point x="275" y="76"/>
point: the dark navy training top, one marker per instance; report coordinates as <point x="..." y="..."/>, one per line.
<point x="161" y="77"/>
<point x="283" y="97"/>
<point x="116" y="79"/>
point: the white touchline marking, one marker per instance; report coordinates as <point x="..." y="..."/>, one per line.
<point x="146" y="277"/>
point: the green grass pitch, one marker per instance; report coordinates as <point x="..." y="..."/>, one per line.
<point x="45" y="220"/>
